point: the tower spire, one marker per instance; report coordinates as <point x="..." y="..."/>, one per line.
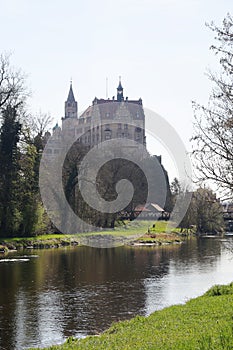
<point x="71" y="94"/>
<point x="120" y="96"/>
<point x="71" y="106"/>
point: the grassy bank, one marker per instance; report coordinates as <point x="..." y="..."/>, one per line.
<point x="156" y="234"/>
<point x="204" y="323"/>
<point x="134" y="232"/>
<point x="39" y="242"/>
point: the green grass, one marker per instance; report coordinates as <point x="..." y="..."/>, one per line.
<point x="126" y="232"/>
<point x="129" y="230"/>
<point x="157" y="234"/>
<point x="38" y="238"/>
<point x="204" y="323"/>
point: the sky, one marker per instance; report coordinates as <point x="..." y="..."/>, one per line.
<point x="160" y="48"/>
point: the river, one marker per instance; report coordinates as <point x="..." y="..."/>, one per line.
<point x="49" y="295"/>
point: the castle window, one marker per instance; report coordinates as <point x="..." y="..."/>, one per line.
<point x="108" y="134"/>
<point x="56" y="151"/>
<point x="138" y="134"/>
<point x="107" y="115"/>
<point x="119" y="126"/>
<point x="126" y="126"/>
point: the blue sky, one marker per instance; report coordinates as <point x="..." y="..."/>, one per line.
<point x="159" y="47"/>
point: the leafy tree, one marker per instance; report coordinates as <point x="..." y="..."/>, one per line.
<point x="9" y="170"/>
<point x="29" y="196"/>
<point x="207" y="211"/>
<point x="212" y="140"/>
<point x="204" y="212"/>
<point x="21" y="144"/>
<point x="176" y="190"/>
<point x="175" y="187"/>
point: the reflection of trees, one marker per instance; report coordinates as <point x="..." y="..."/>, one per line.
<point x="16" y="308"/>
<point x="82" y="290"/>
<point x="198" y="251"/>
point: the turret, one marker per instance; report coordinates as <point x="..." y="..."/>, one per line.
<point x="71" y="106"/>
<point x="120" y="96"/>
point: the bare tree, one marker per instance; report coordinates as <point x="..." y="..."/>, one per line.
<point x="40" y="123"/>
<point x="213" y="128"/>
<point x="12" y="83"/>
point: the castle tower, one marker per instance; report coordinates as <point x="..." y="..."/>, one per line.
<point x="120" y="96"/>
<point x="71" y="106"/>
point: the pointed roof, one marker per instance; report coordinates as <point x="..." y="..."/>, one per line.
<point x="120" y="86"/>
<point x="71" y="94"/>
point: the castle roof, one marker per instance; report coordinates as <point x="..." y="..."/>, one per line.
<point x="71" y="95"/>
<point x="109" y="108"/>
<point x="120" y="86"/>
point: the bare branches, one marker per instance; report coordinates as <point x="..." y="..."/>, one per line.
<point x="12" y="83"/>
<point x="213" y="127"/>
<point x="40" y="123"/>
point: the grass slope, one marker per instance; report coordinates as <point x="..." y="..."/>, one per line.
<point x="204" y="323"/>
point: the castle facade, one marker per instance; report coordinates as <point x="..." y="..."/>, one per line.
<point x="105" y="119"/>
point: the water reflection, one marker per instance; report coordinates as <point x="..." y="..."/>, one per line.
<point x="193" y="268"/>
<point x="82" y="290"/>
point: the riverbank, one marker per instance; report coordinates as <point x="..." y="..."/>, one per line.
<point x="137" y="233"/>
<point x="202" y="323"/>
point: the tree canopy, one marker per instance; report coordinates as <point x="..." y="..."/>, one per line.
<point x="20" y="151"/>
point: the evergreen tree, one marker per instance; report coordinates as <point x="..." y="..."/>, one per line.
<point x="29" y="198"/>
<point x="9" y="171"/>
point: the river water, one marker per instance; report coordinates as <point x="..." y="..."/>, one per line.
<point x="49" y="295"/>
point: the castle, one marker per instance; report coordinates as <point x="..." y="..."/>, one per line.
<point x="105" y="119"/>
<point x="121" y="120"/>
